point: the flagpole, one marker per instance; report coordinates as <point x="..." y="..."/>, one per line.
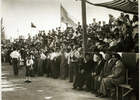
<point x="18" y="34"/>
<point x="60" y="16"/>
<point x="31" y="31"/>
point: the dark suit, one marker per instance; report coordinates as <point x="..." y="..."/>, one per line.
<point x="97" y="69"/>
<point x="81" y="77"/>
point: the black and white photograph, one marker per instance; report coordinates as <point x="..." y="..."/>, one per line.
<point x="69" y="50"/>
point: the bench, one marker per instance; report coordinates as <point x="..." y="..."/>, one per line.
<point x="124" y="86"/>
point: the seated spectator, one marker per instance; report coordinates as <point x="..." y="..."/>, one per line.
<point x="84" y="71"/>
<point x="95" y="71"/>
<point x="115" y="77"/>
<point x="135" y="35"/>
<point x="128" y="44"/>
<point x="109" y="63"/>
<point x="116" y="44"/>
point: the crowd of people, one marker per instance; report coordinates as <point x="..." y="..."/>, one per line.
<point x="59" y="54"/>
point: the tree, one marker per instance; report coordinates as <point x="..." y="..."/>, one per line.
<point x="3" y="40"/>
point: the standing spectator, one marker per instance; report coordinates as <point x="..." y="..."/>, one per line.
<point x="74" y="55"/>
<point x="29" y="69"/>
<point x="15" y="57"/>
<point x="94" y="22"/>
<point x="63" y="65"/>
<point x="39" y="64"/>
<point x="43" y="57"/>
<point x="111" y="20"/>
<point x="8" y="55"/>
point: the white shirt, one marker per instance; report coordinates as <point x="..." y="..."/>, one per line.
<point x="99" y="62"/>
<point x="43" y="56"/>
<point x="75" y="53"/>
<point x="29" y="62"/>
<point x="109" y="61"/>
<point x="117" y="62"/>
<point x="53" y="55"/>
<point x="15" y="54"/>
<point x="94" y="57"/>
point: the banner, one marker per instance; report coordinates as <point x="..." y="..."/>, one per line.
<point x="66" y="18"/>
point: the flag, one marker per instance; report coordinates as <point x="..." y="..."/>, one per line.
<point x="67" y="18"/>
<point x="32" y="25"/>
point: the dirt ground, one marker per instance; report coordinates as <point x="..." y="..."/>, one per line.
<point x="41" y="88"/>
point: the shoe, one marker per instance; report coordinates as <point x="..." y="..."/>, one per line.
<point x="29" y="81"/>
<point x="93" y="92"/>
<point x="99" y="94"/>
<point x="103" y="96"/>
<point x="80" y="89"/>
<point x="26" y="81"/>
<point x="70" y="81"/>
<point x="47" y="76"/>
<point x="87" y="90"/>
<point x="74" y="88"/>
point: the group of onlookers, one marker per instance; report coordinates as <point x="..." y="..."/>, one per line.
<point x="99" y="72"/>
<point x="60" y="54"/>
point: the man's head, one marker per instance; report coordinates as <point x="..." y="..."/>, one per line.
<point x="14" y="48"/>
<point x="94" y="19"/>
<point x="116" y="57"/>
<point x="98" y="57"/>
<point x="87" y="56"/>
<point x="108" y="55"/>
<point x="122" y="14"/>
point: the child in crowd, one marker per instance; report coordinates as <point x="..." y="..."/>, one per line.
<point x="29" y="69"/>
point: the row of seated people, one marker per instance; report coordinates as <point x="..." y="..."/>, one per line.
<point x="102" y="75"/>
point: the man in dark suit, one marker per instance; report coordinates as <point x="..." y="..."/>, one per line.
<point x="95" y="71"/>
<point x="85" y="70"/>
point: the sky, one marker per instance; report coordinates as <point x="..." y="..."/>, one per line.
<point x="45" y="14"/>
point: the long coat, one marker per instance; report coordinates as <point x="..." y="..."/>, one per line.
<point x="63" y="67"/>
<point x="118" y="72"/>
<point x="81" y="77"/>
